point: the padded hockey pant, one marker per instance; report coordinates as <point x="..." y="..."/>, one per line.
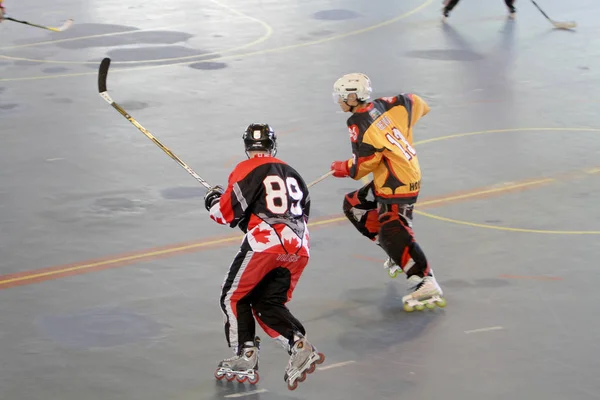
<point x="260" y="284"/>
<point x="390" y="225"/>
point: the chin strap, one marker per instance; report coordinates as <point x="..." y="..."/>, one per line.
<point x="352" y="108"/>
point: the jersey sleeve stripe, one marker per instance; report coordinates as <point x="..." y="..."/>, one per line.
<point x="240" y="196"/>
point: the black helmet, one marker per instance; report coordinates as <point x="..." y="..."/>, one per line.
<point x="260" y="137"/>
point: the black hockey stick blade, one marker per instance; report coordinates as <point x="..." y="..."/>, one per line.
<point x="102" y="78"/>
<point x="103" y="74"/>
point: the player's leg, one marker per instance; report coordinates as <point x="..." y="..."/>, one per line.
<point x="360" y="208"/>
<point x="448" y="6"/>
<point x="398" y="240"/>
<point x="245" y="272"/>
<point x="237" y="285"/>
<point x="269" y="305"/>
<point x="275" y="318"/>
<point x="510" y="4"/>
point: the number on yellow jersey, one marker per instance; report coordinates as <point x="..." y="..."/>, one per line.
<point x="408" y="151"/>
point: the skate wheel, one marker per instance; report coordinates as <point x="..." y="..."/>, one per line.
<point x="302" y="377"/>
<point x="312" y="368"/>
<point x="219" y="375"/>
<point x="408" y="308"/>
<point x="230" y="377"/>
<point x="321" y="359"/>
<point x="419" y="307"/>
<point x="241" y="379"/>
<point x="293" y="386"/>
<point x="430" y="306"/>
<point x="441" y="303"/>
<point x="253" y="380"/>
<point x="392" y="274"/>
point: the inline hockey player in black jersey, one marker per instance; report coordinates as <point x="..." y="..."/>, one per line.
<point x="450" y="4"/>
<point x="269" y="201"/>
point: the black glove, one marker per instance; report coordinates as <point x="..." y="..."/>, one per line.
<point x="212" y="196"/>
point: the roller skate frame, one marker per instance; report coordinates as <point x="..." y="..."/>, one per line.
<point x="427" y="294"/>
<point x="249" y="375"/>
<point x="308" y="367"/>
<point x="411" y="305"/>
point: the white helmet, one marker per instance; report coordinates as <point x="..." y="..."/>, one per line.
<point x="352" y="83"/>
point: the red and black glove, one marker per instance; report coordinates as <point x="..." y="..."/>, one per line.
<point x="340" y="169"/>
<point x="212" y="197"/>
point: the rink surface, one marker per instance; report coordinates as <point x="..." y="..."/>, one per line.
<point x="111" y="269"/>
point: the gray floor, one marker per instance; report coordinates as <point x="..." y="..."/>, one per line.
<point x="509" y="216"/>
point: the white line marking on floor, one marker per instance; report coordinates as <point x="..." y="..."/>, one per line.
<point x="54" y="159"/>
<point x="491" y="328"/>
<point x="340" y="364"/>
<point x="247" y="393"/>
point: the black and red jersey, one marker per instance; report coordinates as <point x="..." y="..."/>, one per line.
<point x="270" y="202"/>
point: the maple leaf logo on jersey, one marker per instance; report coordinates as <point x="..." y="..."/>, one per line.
<point x="389" y="99"/>
<point x="216" y="215"/>
<point x="353" y="129"/>
<point x="291" y="245"/>
<point x="261" y="236"/>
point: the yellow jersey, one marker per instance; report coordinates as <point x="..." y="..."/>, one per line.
<point x="382" y="143"/>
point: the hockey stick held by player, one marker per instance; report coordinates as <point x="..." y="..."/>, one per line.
<point x="381" y="136"/>
<point x="4" y="16"/>
<point x="269" y="201"/>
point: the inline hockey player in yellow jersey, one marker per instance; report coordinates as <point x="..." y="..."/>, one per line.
<point x="2" y="11"/>
<point x="381" y="136"/>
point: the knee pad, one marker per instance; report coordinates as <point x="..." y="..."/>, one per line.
<point x="350" y="201"/>
<point x="362" y="214"/>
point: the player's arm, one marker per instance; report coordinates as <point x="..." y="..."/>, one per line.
<point x="419" y="108"/>
<point x="365" y="158"/>
<point x="228" y="207"/>
<point x="415" y="107"/>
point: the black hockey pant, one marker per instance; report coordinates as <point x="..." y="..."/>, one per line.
<point x="390" y="225"/>
<point x="261" y="283"/>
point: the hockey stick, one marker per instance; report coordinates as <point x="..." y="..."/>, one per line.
<point x="320" y="179"/>
<point x="102" y="76"/>
<point x="68" y="23"/>
<point x="557" y="24"/>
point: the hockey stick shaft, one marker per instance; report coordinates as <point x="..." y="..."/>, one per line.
<point x="65" y="26"/>
<point x="320" y="178"/>
<point x="102" y="77"/>
<point x="542" y="11"/>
